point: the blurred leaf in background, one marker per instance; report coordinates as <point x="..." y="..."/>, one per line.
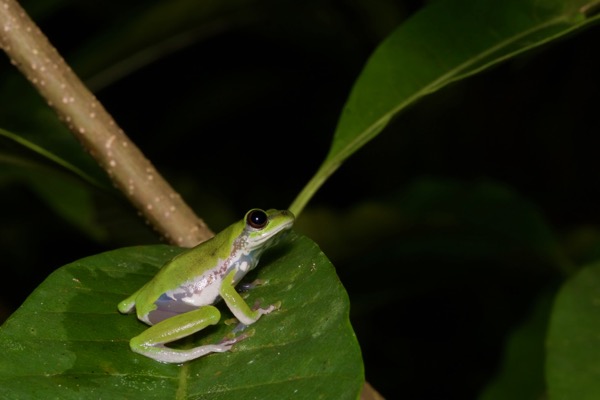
<point x="573" y="341"/>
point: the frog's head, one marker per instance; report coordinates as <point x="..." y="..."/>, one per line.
<point x="263" y="229"/>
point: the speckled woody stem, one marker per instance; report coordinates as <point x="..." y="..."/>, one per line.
<point x="31" y="52"/>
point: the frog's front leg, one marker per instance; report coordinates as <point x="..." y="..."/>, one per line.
<point x="151" y="342"/>
<point x="238" y="306"/>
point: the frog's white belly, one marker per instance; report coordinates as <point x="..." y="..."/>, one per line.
<point x="204" y="296"/>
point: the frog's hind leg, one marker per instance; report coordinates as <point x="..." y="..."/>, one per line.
<point x="151" y="342"/>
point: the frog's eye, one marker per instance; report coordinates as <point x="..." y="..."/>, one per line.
<point x="257" y="219"/>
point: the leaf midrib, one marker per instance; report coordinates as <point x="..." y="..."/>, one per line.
<point x="445" y="79"/>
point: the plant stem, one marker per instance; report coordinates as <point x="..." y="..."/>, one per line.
<point x="309" y="190"/>
<point x="132" y="173"/>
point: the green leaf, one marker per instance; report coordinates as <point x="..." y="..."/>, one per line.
<point x="573" y="355"/>
<point x="68" y="341"/>
<point x="445" y="42"/>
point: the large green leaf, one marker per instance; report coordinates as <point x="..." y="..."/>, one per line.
<point x="445" y="42"/>
<point x="573" y="354"/>
<point x="68" y="341"/>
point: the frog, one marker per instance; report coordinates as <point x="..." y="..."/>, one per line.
<point x="180" y="300"/>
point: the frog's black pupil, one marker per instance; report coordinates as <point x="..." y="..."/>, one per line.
<point x="257" y="219"/>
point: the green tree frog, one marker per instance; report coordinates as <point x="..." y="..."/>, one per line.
<point x="178" y="301"/>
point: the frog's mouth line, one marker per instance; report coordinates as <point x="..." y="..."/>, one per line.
<point x="272" y="235"/>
